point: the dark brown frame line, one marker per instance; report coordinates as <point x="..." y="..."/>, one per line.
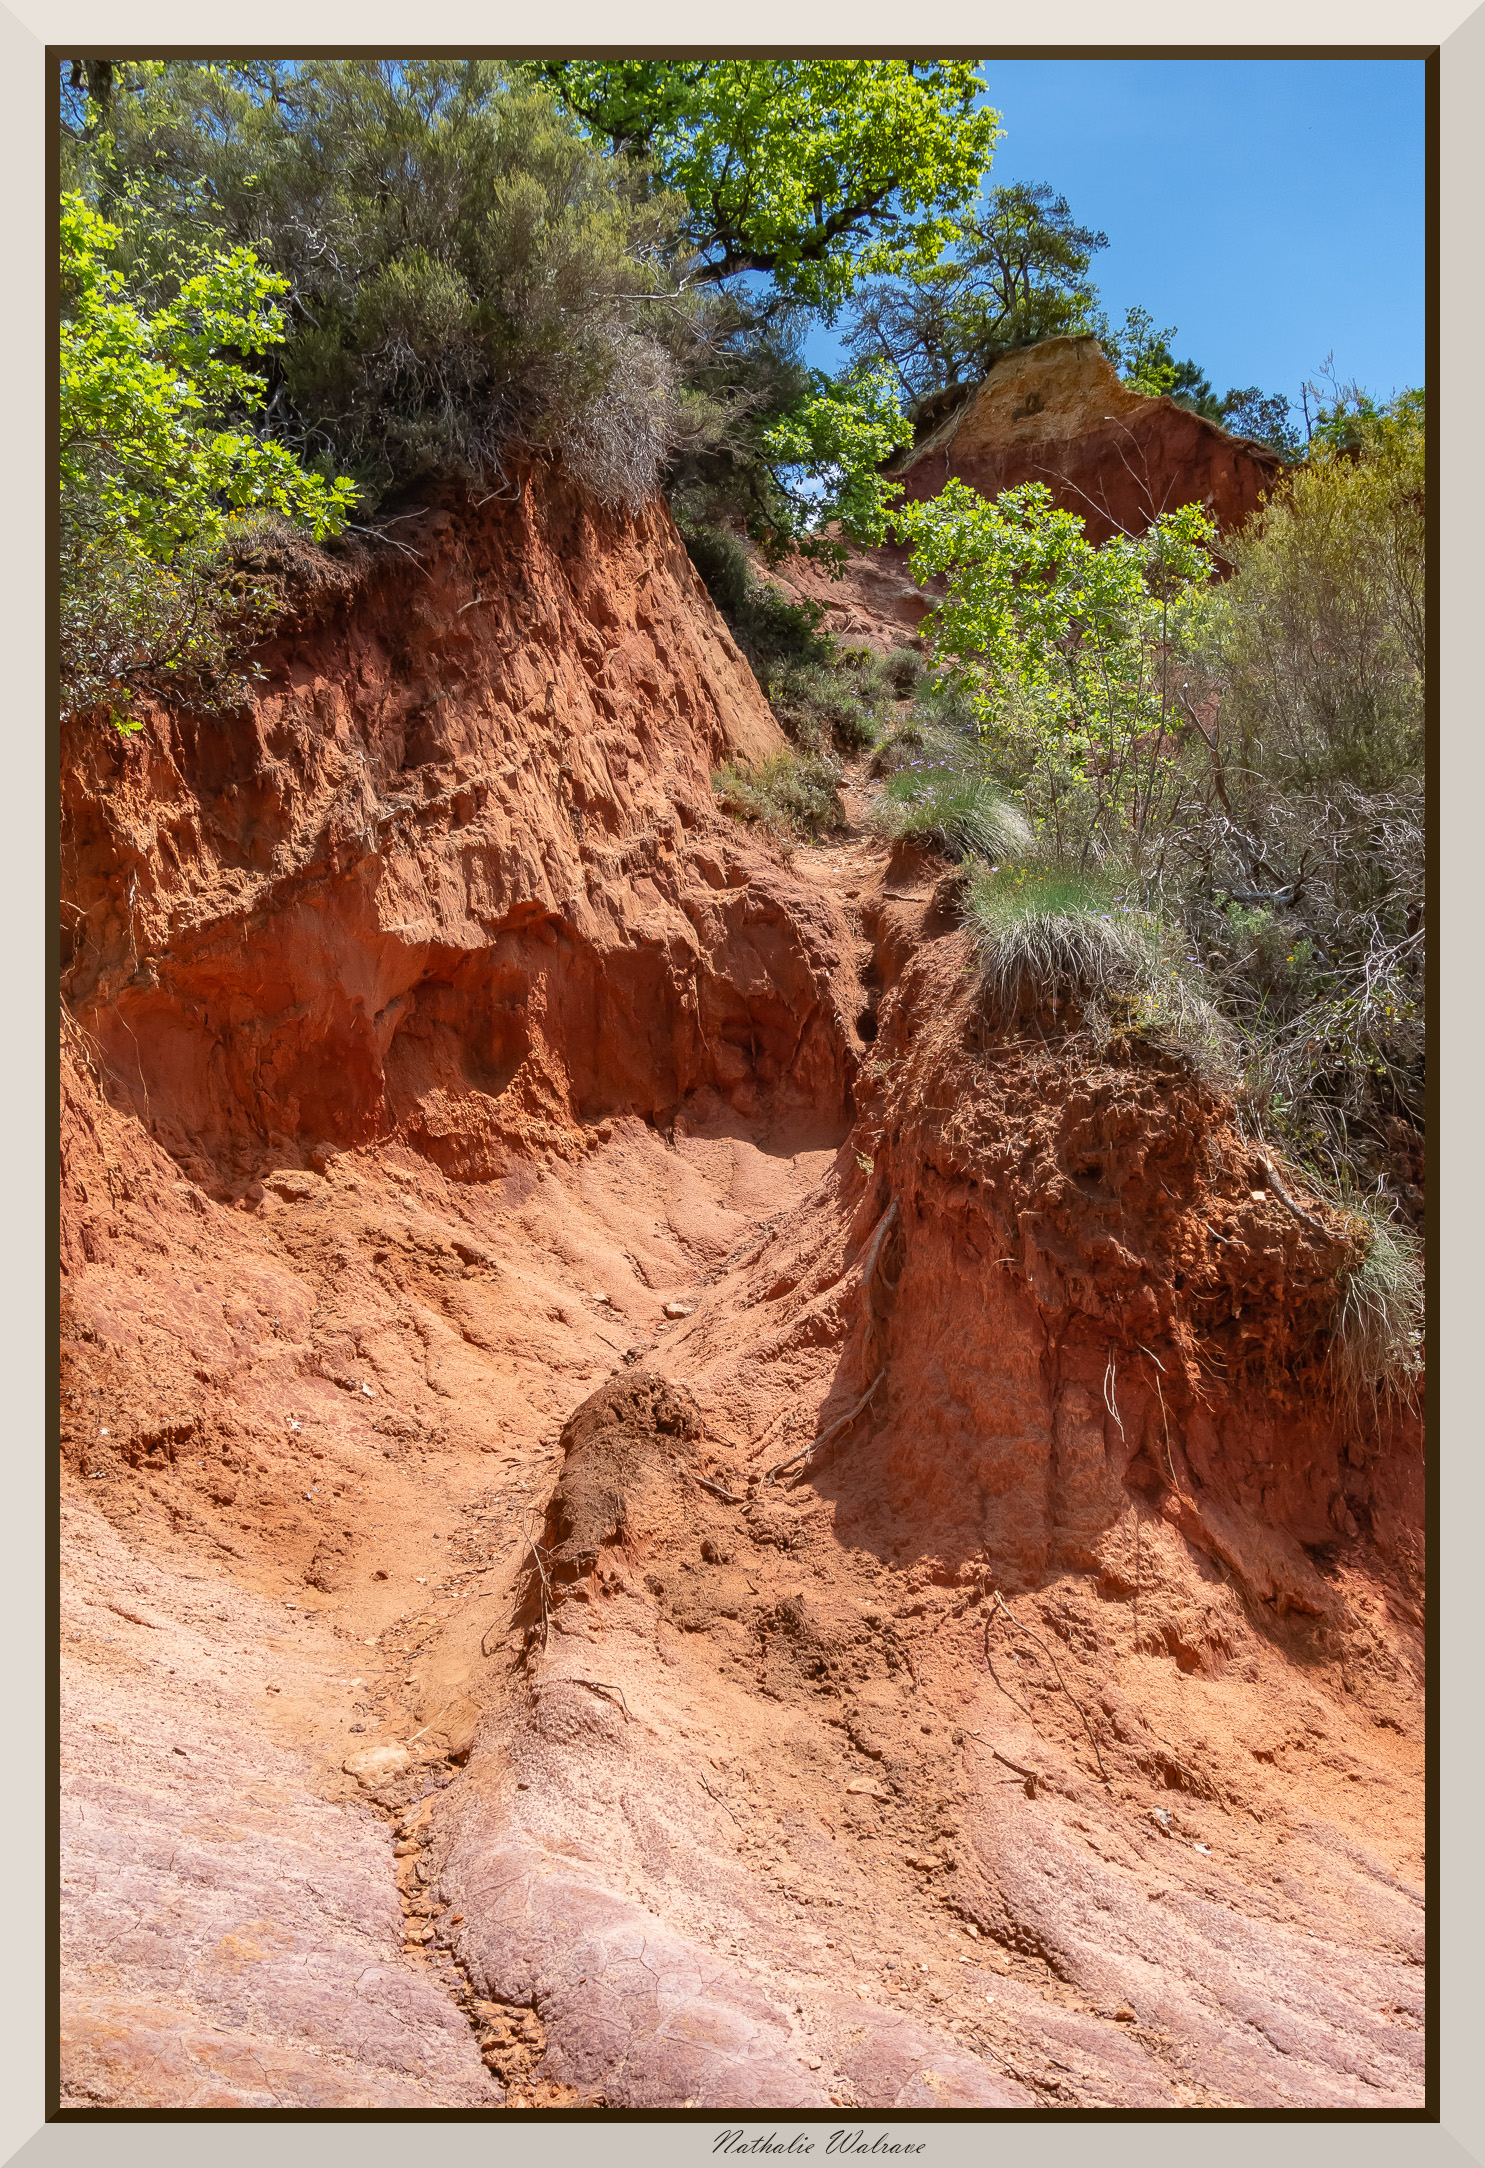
<point x="1430" y="2111"/>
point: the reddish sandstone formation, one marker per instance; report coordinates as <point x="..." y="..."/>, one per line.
<point x="1057" y="413"/>
<point x="455" y="874"/>
<point x="472" y="1182"/>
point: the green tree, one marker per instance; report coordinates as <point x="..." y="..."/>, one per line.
<point x="827" y="454"/>
<point x="1069" y="653"/>
<point x="816" y="173"/>
<point x="1143" y="357"/>
<point x="1019" y="273"/>
<point x="159" y="461"/>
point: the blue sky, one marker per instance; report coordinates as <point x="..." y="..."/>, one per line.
<point x="1272" y="210"/>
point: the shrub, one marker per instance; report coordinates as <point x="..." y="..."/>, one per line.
<point x="466" y="276"/>
<point x="797" y="796"/>
<point x="821" y="695"/>
<point x="1303" y="839"/>
<point x="900" y="748"/>
<point x="774" y="634"/>
<point x="903" y="670"/>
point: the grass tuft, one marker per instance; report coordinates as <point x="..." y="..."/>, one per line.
<point x="1378" y="1332"/>
<point x="1057" y="938"/>
<point x="795" y="795"/>
<point x="952" y="809"/>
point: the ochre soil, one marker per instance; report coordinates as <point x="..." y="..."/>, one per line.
<point x="486" y="1171"/>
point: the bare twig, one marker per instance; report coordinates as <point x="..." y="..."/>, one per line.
<point x="807" y="1453"/>
<point x="598" y="1686"/>
<point x="1277" y="1186"/>
<point x="546" y="1584"/>
<point x="1165" y="1426"/>
<point x="1005" y="1760"/>
<point x="1109" y="1386"/>
<point x="884" y="1224"/>
<point x="995" y="1675"/>
<point x="721" y="1802"/>
<point x="1072" y="1697"/>
<point x="732" y="1497"/>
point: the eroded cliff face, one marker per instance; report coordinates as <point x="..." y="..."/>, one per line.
<point x="478" y="1200"/>
<point x="1057" y="413"/>
<point x="455" y="874"/>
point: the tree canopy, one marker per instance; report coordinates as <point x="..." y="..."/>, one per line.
<point x="815" y="172"/>
<point x="1018" y="273"/>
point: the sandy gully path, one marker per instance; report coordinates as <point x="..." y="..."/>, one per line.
<point x="397" y="1354"/>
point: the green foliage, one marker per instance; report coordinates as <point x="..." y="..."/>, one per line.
<point x="826" y="454"/>
<point x="816" y="172"/>
<point x="159" y="470"/>
<point x="774" y="635"/>
<point x="821" y="696"/>
<point x="465" y="275"/>
<point x="1142" y="355"/>
<point x="1018" y="273"/>
<point x="796" y="795"/>
<point x="1067" y="651"/>
<point x="147" y="401"/>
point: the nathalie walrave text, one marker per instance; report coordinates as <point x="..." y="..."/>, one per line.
<point x="839" y="2141"/>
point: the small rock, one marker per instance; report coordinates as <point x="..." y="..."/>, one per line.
<point x="868" y="1786"/>
<point x="813" y="2063"/>
<point x="369" y="1391"/>
<point x="679" y="1309"/>
<point x="1124" y="2015"/>
<point x="374" y="1764"/>
<point x="291" y="1184"/>
<point x="598" y="1295"/>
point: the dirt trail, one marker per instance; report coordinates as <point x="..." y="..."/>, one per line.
<point x="458" y="1711"/>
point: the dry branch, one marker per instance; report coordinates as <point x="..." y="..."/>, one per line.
<point x="1072" y="1697"/>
